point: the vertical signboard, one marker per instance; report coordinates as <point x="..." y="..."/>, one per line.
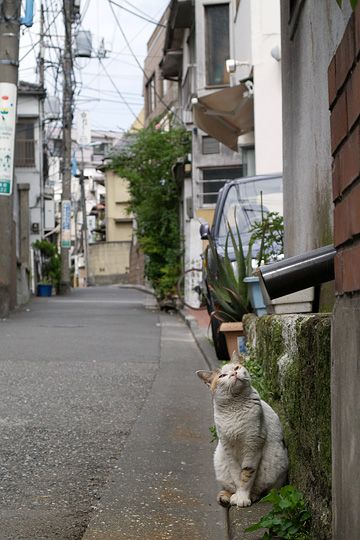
<point x="83" y="128"/>
<point x="7" y="136"/>
<point x="66" y="224"/>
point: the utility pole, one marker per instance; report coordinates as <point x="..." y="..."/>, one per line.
<point x="84" y="224"/>
<point x="41" y="67"/>
<point x="9" y="65"/>
<point x="65" y="285"/>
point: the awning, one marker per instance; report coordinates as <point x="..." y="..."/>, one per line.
<point x="225" y="114"/>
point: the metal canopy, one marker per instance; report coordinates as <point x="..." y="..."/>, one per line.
<point x="226" y="114"/>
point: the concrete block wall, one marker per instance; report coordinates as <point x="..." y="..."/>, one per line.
<point x="292" y="373"/>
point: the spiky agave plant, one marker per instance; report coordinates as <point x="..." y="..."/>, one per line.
<point x="226" y="283"/>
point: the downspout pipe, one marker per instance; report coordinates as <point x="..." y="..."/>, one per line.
<point x="297" y="273"/>
<point x="28" y="19"/>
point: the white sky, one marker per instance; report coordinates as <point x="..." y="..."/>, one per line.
<point x="95" y="92"/>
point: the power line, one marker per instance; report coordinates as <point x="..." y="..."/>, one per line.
<point x="139" y="64"/>
<point x="37" y="42"/>
<point x="138" y="9"/>
<point x="136" y="14"/>
<point x="117" y="90"/>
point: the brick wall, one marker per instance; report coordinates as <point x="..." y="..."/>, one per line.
<point x="344" y="98"/>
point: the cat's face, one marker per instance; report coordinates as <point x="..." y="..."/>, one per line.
<point x="232" y="378"/>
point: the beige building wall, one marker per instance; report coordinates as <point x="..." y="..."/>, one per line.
<point x="109" y="262"/>
<point x="118" y="221"/>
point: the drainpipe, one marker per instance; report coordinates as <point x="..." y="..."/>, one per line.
<point x="297" y="273"/>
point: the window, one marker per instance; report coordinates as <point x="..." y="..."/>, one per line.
<point x="100" y="150"/>
<point x="25" y="143"/>
<point x="210" y="145"/>
<point x="214" y="179"/>
<point x="248" y="159"/>
<point x="57" y="148"/>
<point x="150" y="95"/>
<point x="217" y="44"/>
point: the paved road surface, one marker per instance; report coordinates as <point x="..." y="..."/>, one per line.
<point x="75" y="374"/>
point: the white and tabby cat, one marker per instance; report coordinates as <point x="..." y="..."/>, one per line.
<point x="250" y="458"/>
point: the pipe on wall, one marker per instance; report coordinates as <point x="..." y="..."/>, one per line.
<point x="297" y="273"/>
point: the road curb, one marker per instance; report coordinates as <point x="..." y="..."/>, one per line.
<point x="203" y="342"/>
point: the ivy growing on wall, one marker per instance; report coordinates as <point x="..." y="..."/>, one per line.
<point x="147" y="162"/>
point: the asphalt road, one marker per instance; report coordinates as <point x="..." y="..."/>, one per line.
<point x="74" y="374"/>
<point x="104" y="426"/>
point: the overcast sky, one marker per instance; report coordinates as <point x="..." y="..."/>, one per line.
<point x="95" y="91"/>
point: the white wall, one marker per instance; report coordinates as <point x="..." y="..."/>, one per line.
<point x="28" y="106"/>
<point x="257" y="31"/>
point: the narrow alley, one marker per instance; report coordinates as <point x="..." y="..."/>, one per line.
<point x="104" y="426"/>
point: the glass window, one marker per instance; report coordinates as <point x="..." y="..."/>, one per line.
<point x="150" y="95"/>
<point x="217" y="44"/>
<point x="247" y="202"/>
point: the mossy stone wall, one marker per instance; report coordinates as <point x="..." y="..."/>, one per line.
<point x="291" y="354"/>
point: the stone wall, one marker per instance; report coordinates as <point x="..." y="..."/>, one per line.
<point x="291" y="355"/>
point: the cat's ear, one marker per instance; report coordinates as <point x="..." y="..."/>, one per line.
<point x="206" y="376"/>
<point x="237" y="358"/>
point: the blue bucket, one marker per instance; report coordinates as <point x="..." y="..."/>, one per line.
<point x="43" y="289"/>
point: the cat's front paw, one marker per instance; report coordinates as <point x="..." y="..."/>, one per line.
<point x="240" y="499"/>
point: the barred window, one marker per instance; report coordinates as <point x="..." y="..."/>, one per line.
<point x="215" y="178"/>
<point x="25" y="143"/>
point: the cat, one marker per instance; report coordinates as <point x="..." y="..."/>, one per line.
<point x="250" y="457"/>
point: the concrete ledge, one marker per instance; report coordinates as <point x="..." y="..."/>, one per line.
<point x="240" y="519"/>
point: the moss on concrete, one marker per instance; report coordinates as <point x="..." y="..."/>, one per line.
<point x="293" y="355"/>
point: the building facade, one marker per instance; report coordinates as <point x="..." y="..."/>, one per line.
<point x="33" y="201"/>
<point x="226" y="59"/>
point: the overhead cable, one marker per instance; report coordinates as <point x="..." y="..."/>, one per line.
<point x="136" y="14"/>
<point x="139" y="64"/>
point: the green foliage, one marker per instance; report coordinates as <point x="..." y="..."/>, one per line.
<point x="227" y="282"/>
<point x="258" y="379"/>
<point x="214" y="435"/>
<point x="50" y="261"/>
<point x="289" y="518"/>
<point x="270" y="233"/>
<point x="147" y="163"/>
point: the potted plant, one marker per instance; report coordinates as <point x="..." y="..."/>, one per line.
<point x="47" y="266"/>
<point x="236" y="291"/>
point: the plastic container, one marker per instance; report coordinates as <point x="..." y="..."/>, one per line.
<point x="43" y="289"/>
<point x="255" y="295"/>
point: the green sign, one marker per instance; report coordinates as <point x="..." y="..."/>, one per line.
<point x="7" y="136"/>
<point x="5" y="187"/>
